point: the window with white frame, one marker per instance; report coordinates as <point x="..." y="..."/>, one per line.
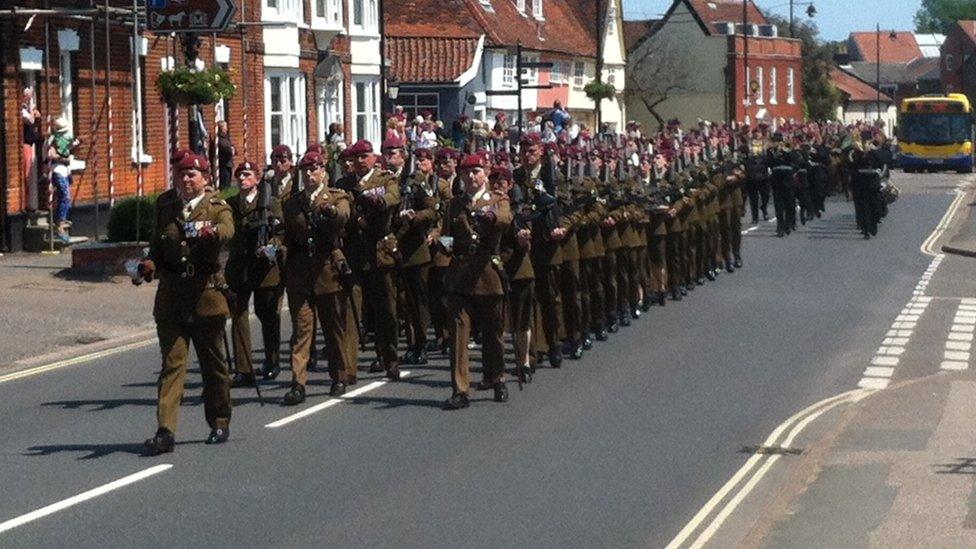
<point x="612" y="19"/>
<point x="328" y="12"/>
<point x="284" y="99"/>
<point x="556" y="74"/>
<point x="65" y="81"/>
<point x="579" y="74"/>
<point x="760" y="94"/>
<point x="415" y="104"/>
<point x="537" y="11"/>
<point x="363" y="18"/>
<point x="139" y="112"/>
<point x="366" y="109"/>
<point x="283" y="10"/>
<point x="531" y="74"/>
<point x="508" y="70"/>
<point x="748" y="84"/>
<point x="790" y="98"/>
<point x="328" y="102"/>
<point x="611" y="76"/>
<point x="773" y="97"/>
<point x="520" y="4"/>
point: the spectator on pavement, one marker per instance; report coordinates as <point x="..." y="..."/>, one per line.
<point x="61" y="146"/>
<point x="225" y="152"/>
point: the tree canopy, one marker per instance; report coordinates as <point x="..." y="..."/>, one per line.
<point x="938" y="15"/>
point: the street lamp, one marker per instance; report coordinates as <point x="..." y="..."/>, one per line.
<point x="811" y="11"/>
<point x="393" y="88"/>
<point x="892" y="35"/>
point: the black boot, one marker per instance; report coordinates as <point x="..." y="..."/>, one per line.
<point x="501" y="392"/>
<point x="242" y="380"/>
<point x="601" y="335"/>
<point x="338" y="389"/>
<point x="587" y="342"/>
<point x="683" y="289"/>
<point x="162" y="442"/>
<point x="728" y="267"/>
<point x="270" y="371"/>
<point x="295" y="396"/>
<point x="737" y="263"/>
<point x="457" y="402"/>
<point x="218" y="435"/>
<point x="661" y="297"/>
<point x="555" y="357"/>
<point x="624" y="319"/>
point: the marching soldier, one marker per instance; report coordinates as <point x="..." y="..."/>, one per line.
<point x="192" y="225"/>
<point x="316" y="279"/>
<point x="448" y="182"/>
<point x="252" y="269"/>
<point x="548" y="231"/>
<point x="372" y="248"/>
<point x="420" y="211"/>
<point x="757" y="181"/>
<point x="281" y="163"/>
<point x="474" y="223"/>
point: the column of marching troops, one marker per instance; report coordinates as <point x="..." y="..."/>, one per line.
<point x="555" y="245"/>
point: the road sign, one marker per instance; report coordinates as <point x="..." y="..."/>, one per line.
<point x="189" y="15"/>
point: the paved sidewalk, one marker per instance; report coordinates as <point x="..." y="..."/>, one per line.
<point x="902" y="473"/>
<point x="963" y="234"/>
<point x="48" y="314"/>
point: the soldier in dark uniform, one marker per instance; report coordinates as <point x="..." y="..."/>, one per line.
<point x="548" y="232"/>
<point x="757" y="180"/>
<point x="372" y="249"/>
<point x="191" y="227"/>
<point x="420" y="211"/>
<point x="780" y="160"/>
<point x="252" y="269"/>
<point x="313" y="223"/>
<point x="866" y="166"/>
<point x="475" y="222"/>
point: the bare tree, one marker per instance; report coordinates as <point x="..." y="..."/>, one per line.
<point x="655" y="73"/>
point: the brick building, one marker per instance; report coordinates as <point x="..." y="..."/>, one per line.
<point x="957" y="66"/>
<point x="298" y="65"/>
<point x="693" y="63"/>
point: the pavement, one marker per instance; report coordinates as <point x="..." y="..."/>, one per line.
<point x="963" y="241"/>
<point x="814" y="398"/>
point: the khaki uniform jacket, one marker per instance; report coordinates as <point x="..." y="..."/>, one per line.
<point x="446" y="192"/>
<point x="516" y="259"/>
<point x="425" y="198"/>
<point x="315" y="256"/>
<point x="370" y="243"/>
<point x="190" y="278"/>
<point x="545" y="251"/>
<point x="473" y="269"/>
<point x="244" y="268"/>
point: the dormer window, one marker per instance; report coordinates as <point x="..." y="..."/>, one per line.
<point x="537" y="9"/>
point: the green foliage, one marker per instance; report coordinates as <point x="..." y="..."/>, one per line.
<point x="820" y="97"/>
<point x="597" y="91"/>
<point x="122" y="219"/>
<point x="188" y="87"/>
<point x="939" y="15"/>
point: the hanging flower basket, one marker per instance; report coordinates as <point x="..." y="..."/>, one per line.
<point x="598" y="91"/>
<point x="188" y="87"/>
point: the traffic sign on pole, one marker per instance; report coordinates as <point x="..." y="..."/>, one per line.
<point x="189" y="15"/>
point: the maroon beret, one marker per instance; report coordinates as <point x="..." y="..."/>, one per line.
<point x="193" y="161"/>
<point x="424" y="154"/>
<point x="447" y="153"/>
<point x="501" y="172"/>
<point x="178" y="155"/>
<point x="246" y="166"/>
<point x="472" y="161"/>
<point x="530" y="139"/>
<point x="311" y="158"/>
<point x="315" y="147"/>
<point x="391" y="144"/>
<point x="281" y="151"/>
<point x="359" y="147"/>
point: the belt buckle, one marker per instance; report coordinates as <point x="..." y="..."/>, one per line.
<point x="189" y="271"/>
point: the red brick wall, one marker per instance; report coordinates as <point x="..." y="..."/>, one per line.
<point x="781" y="53"/>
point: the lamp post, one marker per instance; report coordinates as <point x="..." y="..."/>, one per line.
<point x="811" y="11"/>
<point x="393" y="89"/>
<point x="745" y="59"/>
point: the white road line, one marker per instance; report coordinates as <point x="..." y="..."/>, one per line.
<point x="82" y="497"/>
<point x="960" y="336"/>
<point x="878" y="371"/>
<point x="891" y="351"/>
<point x="964" y="320"/>
<point x="754" y="460"/>
<point x="76" y="360"/>
<point x="895" y="341"/>
<point x="963" y="328"/>
<point x="903" y="325"/>
<point x="751" y="484"/>
<point x="331" y="402"/>
<point x="885" y="361"/>
<point x="956" y="355"/>
<point x="958" y="345"/>
<point x="876" y="383"/>
<point x="954" y="365"/>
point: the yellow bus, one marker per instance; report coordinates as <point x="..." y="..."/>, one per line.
<point x="936" y="132"/>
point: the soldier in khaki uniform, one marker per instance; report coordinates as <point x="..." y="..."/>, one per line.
<point x="419" y="213"/>
<point x="476" y="221"/>
<point x="192" y="225"/>
<point x="447" y="175"/>
<point x="590" y="240"/>
<point x="372" y="248"/>
<point x="313" y="223"/>
<point x="514" y="250"/>
<point x="252" y="270"/>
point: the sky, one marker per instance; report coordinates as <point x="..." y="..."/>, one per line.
<point x="835" y="18"/>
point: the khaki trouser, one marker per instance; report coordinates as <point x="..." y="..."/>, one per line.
<point x="267" y="307"/>
<point x="592" y="282"/>
<point x="490" y="313"/>
<point x="677" y="262"/>
<point x="341" y="334"/>
<point x="174" y="344"/>
<point x="550" y="304"/>
<point x="438" y="302"/>
<point x="569" y="289"/>
<point x="380" y="298"/>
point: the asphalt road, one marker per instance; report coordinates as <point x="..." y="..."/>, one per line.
<point x="618" y="449"/>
